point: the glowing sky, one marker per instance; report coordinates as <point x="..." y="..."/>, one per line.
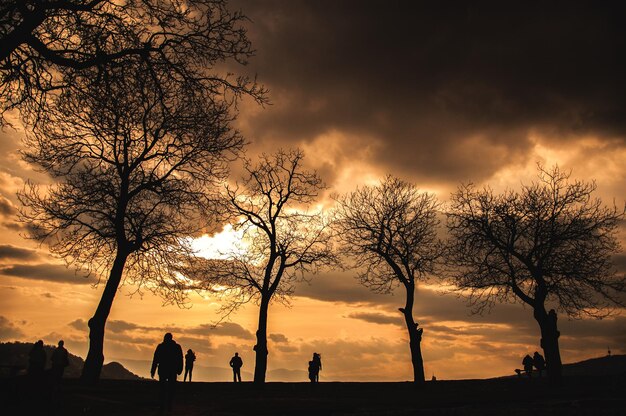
<point x="436" y="95"/>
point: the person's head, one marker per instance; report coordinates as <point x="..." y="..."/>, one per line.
<point x="236" y="354"/>
<point x="61" y="343"/>
<point x="536" y="353"/>
<point x="39" y="343"/>
<point x="168" y="337"/>
<point x="189" y="351"/>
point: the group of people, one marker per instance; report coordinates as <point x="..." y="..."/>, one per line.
<point x="37" y="361"/>
<point x="537" y="361"/>
<point x="168" y="364"/>
<point x="168" y="359"/>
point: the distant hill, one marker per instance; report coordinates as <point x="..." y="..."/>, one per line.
<point x="608" y="365"/>
<point x="602" y="366"/>
<point x="16" y="354"/>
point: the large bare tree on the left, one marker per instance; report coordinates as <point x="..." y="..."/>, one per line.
<point x="49" y="46"/>
<point x="132" y="146"/>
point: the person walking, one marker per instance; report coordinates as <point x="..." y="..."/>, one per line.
<point x="168" y="358"/>
<point x="190" y="357"/>
<point x="236" y="363"/>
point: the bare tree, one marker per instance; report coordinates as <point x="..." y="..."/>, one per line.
<point x="283" y="241"/>
<point x="46" y="46"/>
<point x="549" y="244"/>
<point x="132" y="160"/>
<point x="391" y="232"/>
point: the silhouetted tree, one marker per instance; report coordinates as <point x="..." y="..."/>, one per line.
<point x="48" y="46"/>
<point x="391" y="232"/>
<point x="131" y="160"/>
<point x="283" y="241"/>
<point x="550" y="243"/>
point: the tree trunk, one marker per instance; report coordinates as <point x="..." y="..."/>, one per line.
<point x="550" y="341"/>
<point x="260" y="366"/>
<point x="415" y="337"/>
<point x="95" y="356"/>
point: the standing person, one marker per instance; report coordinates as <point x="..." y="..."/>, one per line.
<point x="527" y="362"/>
<point x="60" y="360"/>
<point x="539" y="362"/>
<point x="313" y="371"/>
<point x="236" y="363"/>
<point x="36" y="360"/>
<point x="168" y="357"/>
<point x="190" y="357"/>
<point x="317" y="361"/>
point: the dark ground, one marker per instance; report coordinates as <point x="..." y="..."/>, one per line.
<point x="512" y="396"/>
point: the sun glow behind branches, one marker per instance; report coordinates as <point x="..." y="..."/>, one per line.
<point x="222" y="245"/>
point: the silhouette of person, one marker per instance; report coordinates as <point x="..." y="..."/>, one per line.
<point x="168" y="357"/>
<point x="190" y="357"/>
<point x="60" y="360"/>
<point x="539" y="362"/>
<point x="312" y="371"/>
<point x="317" y="361"/>
<point x="527" y="362"/>
<point x="36" y="360"/>
<point x="236" y="363"/>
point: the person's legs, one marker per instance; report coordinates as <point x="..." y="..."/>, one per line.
<point x="162" y="391"/>
<point x="238" y="375"/>
<point x="171" y="386"/>
<point x="190" y="373"/>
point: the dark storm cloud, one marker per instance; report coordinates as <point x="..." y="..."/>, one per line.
<point x="8" y="251"/>
<point x="376" y="318"/>
<point x="340" y="286"/>
<point x="430" y="306"/>
<point x="47" y="272"/>
<point x="225" y="329"/>
<point x="451" y="89"/>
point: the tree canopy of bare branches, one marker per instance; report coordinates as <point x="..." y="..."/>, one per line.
<point x="47" y="46"/>
<point x="283" y="239"/>
<point x="390" y="230"/>
<point x="132" y="160"/>
<point x="550" y="243"/>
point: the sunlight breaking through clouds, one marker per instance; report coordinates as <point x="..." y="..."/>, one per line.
<point x="222" y="245"/>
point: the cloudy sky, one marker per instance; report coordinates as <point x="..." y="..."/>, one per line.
<point x="437" y="93"/>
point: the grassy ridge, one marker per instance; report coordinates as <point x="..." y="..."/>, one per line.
<point x="575" y="396"/>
